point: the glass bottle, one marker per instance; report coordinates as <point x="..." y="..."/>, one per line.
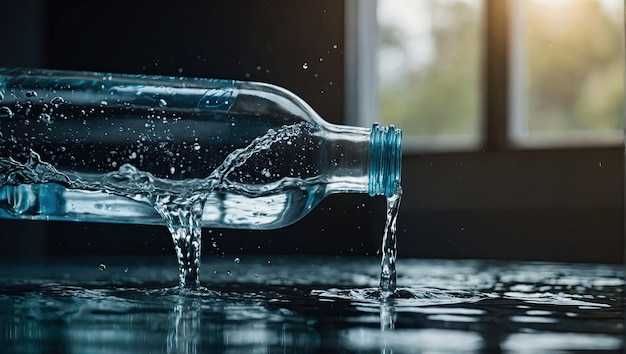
<point x="100" y="147"/>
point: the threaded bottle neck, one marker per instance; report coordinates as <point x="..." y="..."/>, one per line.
<point x="385" y="160"/>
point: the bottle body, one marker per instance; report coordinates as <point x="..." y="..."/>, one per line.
<point x="105" y="148"/>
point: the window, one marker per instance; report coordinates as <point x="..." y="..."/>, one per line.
<point x="567" y="70"/>
<point x="429" y="65"/>
<point x="561" y="86"/>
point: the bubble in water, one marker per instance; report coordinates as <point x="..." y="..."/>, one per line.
<point x="334" y="46"/>
<point x="172" y="170"/>
<point x="265" y="172"/>
<point x="31" y="94"/>
<point x="126" y="270"/>
<point x="162" y="103"/>
<point x="102" y="267"/>
<point x="103" y="103"/>
<point x="196" y="146"/>
<point x="45" y="117"/>
<point x="237" y="260"/>
<point x="305" y="66"/>
<point x="133" y="155"/>
<point x="6" y="112"/>
<point x="180" y="70"/>
<point x="269" y="261"/>
<point x="56" y="101"/>
<point x="214" y="244"/>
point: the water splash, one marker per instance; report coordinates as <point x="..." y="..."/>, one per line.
<point x="184" y="220"/>
<point x="179" y="203"/>
<point x="389" y="246"/>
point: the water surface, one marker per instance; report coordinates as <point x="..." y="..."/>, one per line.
<point x="283" y="304"/>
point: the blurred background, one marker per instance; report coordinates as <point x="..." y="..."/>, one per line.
<point x="512" y="113"/>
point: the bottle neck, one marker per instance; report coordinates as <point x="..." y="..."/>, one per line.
<point x="362" y="160"/>
<point x="385" y="163"/>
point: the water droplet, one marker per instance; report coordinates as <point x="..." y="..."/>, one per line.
<point x="180" y="70"/>
<point x="265" y="172"/>
<point x="196" y="146"/>
<point x="258" y="67"/>
<point x="133" y="155"/>
<point x="172" y="170"/>
<point x="269" y="261"/>
<point x="321" y="59"/>
<point x="305" y="66"/>
<point x="125" y="270"/>
<point x="237" y="260"/>
<point x="334" y="46"/>
<point x="103" y="103"/>
<point x="162" y="103"/>
<point x="256" y="275"/>
<point x="6" y="112"/>
<point x="214" y="244"/>
<point x="229" y="272"/>
<point x="45" y="117"/>
<point x="31" y="94"/>
<point x="102" y="267"/>
<point x="56" y="101"/>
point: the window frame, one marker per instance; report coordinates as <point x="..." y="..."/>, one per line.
<point x="502" y="201"/>
<point x="517" y="115"/>
<point x="503" y="103"/>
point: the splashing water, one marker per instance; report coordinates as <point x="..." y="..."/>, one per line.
<point x="178" y="203"/>
<point x="184" y="223"/>
<point x="389" y="246"/>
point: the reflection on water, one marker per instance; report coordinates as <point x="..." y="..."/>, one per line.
<point x="305" y="304"/>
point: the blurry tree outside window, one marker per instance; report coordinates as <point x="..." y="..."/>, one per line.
<point x="430" y="59"/>
<point x="568" y="69"/>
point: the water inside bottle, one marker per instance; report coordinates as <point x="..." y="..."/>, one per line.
<point x="37" y="189"/>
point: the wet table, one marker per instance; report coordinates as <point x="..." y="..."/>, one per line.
<point x="284" y="304"/>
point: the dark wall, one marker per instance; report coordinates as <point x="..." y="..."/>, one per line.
<point x="563" y="205"/>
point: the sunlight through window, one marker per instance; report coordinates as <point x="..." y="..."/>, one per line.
<point x="567" y="72"/>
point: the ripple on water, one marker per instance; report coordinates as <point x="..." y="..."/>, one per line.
<point x="404" y="296"/>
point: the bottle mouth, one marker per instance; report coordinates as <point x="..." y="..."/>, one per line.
<point x="385" y="160"/>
